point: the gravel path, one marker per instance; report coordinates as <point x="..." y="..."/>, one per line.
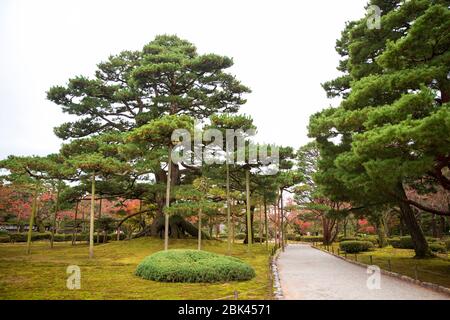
<point x="310" y="274"/>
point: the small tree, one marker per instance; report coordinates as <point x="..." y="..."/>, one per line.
<point x="93" y="157"/>
<point x="158" y="135"/>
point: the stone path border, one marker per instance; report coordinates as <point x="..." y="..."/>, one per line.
<point x="428" y="285"/>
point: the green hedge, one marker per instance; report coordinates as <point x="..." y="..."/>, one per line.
<point x="59" y="237"/>
<point x="349" y="239"/>
<point x="293" y="237"/>
<point x="355" y="246"/>
<point x="312" y="238"/>
<point x="193" y="266"/>
<point x="436" y="245"/>
<point x="373" y="239"/>
<point x="401" y="242"/>
<point x="35" y="236"/>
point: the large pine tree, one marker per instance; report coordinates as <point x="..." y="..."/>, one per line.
<point x="393" y="125"/>
<point x="134" y="88"/>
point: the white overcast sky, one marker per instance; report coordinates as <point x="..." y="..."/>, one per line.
<point x="283" y="50"/>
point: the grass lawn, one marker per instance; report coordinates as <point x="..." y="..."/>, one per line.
<point x="435" y="270"/>
<point x="110" y="275"/>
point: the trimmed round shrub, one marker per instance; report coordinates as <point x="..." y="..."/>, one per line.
<point x="373" y="239"/>
<point x="355" y="246"/>
<point x="312" y="238"/>
<point x="437" y="247"/>
<point x="298" y="237"/>
<point x="193" y="266"/>
<point x="4" y="239"/>
<point x="349" y="239"/>
<point x="402" y="242"/>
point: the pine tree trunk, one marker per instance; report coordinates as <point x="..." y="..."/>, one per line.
<point x="381" y="232"/>
<point x="91" y="225"/>
<point x="282" y="220"/>
<point x="98" y="218"/>
<point x="55" y="214"/>
<point x="233" y="222"/>
<point x="75" y="226"/>
<point x="442" y="227"/>
<point x="249" y="222"/>
<point x="345" y="227"/>
<point x="434" y="230"/>
<point x="275" y="211"/>
<point x="30" y="225"/>
<point x="266" y="225"/>
<point x="420" y="243"/>
<point x="228" y="209"/>
<point x="260" y="225"/>
<point x="83" y="225"/>
<point x="252" y="218"/>
<point x="200" y="229"/>
<point x="166" y="215"/>
<point x="326" y="236"/>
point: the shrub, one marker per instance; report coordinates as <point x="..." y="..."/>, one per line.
<point x="60" y="237"/>
<point x="312" y="238"/>
<point x="394" y="242"/>
<point x="373" y="239"/>
<point x="82" y="236"/>
<point x="40" y="236"/>
<point x="256" y="239"/>
<point x="240" y="236"/>
<point x="355" y="246"/>
<point x="438" y="247"/>
<point x="298" y="237"/>
<point x="401" y="242"/>
<point x="447" y="244"/>
<point x="18" y="237"/>
<point x="35" y="236"/>
<point x="4" y="239"/>
<point x="290" y="236"/>
<point x="193" y="266"/>
<point x="349" y="239"/>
